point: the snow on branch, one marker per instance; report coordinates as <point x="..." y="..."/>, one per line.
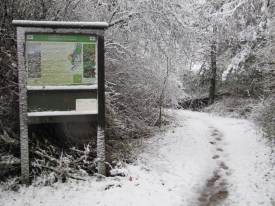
<point x="235" y="62"/>
<point x="122" y="19"/>
<point x="230" y="8"/>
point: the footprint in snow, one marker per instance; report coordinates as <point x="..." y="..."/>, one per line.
<point x="224" y="166"/>
<point x="219" y="149"/>
<point x="218" y="139"/>
<point x="215" y="157"/>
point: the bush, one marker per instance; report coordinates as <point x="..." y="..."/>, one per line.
<point x="264" y="113"/>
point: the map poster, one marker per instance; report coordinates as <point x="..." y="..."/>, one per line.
<point x="58" y="60"/>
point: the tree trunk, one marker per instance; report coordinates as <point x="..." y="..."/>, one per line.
<point x="213" y="70"/>
<point x="162" y="93"/>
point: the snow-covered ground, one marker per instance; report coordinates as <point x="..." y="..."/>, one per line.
<point x="201" y="160"/>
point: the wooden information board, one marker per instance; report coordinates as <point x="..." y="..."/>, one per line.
<point x="61" y="77"/>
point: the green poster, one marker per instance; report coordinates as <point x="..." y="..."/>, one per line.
<point x="53" y="59"/>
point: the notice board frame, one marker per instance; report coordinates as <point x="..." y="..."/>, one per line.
<point x="95" y="29"/>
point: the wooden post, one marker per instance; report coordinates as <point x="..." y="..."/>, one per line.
<point x="22" y="78"/>
<point x="101" y="107"/>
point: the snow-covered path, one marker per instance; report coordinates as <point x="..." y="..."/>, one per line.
<point x="202" y="160"/>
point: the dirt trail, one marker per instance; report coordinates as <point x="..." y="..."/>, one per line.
<point x="203" y="160"/>
<point x="215" y="190"/>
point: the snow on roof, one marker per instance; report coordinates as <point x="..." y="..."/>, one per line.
<point x="61" y="24"/>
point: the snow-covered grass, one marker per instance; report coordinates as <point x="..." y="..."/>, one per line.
<point x="173" y="169"/>
<point x="233" y="107"/>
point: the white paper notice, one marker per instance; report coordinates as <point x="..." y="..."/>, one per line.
<point x="86" y="105"/>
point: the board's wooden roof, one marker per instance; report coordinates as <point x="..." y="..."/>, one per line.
<point x="60" y="24"/>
